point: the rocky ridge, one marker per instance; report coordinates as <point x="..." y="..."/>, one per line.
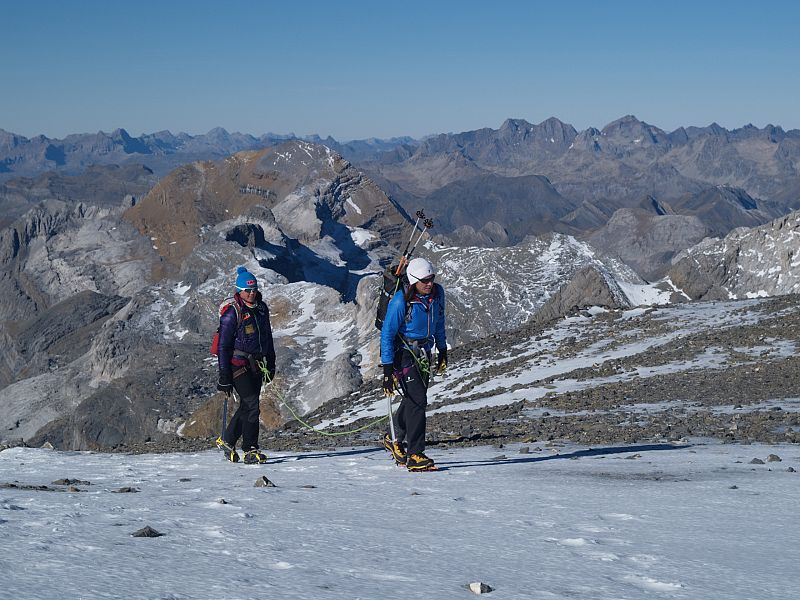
<point x="760" y="261"/>
<point x="162" y="151"/>
<point x="712" y="180"/>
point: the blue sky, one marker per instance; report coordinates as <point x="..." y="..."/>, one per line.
<point x="362" y="69"/>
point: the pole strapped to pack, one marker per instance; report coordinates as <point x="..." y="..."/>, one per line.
<point x="405" y="257"/>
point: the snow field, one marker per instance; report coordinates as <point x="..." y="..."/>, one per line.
<point x="640" y="522"/>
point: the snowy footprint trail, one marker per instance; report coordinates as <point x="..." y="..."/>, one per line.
<point x="638" y="522"/>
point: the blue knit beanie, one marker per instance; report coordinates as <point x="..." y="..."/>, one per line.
<point x="245" y="279"/>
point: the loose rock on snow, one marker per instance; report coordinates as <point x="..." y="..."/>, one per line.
<point x="147" y="531"/>
<point x="478" y="587"/>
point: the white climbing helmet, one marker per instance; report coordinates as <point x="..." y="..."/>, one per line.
<point x="419" y="268"/>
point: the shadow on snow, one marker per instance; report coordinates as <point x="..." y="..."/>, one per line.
<point x="445" y="465"/>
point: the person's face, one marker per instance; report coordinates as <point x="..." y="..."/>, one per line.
<point x="248" y="294"/>
<point x="424" y="286"/>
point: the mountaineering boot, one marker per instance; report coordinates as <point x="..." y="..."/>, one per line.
<point x="395" y="448"/>
<point x="228" y="450"/>
<point x="254" y="457"/>
<point x="420" y="462"/>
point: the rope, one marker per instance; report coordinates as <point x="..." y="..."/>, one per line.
<point x="423" y="364"/>
<point x="329" y="433"/>
<point x="299" y="419"/>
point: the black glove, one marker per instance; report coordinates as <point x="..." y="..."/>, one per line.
<point x="441" y="363"/>
<point x="225" y="382"/>
<point x="388" y="380"/>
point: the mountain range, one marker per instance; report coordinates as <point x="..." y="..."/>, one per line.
<point x="112" y="272"/>
<point x="161" y="151"/>
<point x="492" y="187"/>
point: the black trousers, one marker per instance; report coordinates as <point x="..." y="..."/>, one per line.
<point x="244" y="422"/>
<point x="409" y="420"/>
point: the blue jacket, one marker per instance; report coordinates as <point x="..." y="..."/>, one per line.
<point x="425" y="322"/>
<point x="252" y="334"/>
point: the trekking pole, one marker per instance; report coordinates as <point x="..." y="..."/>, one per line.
<point x="427" y="225"/>
<point x="224" y="414"/>
<point x="404" y="256"/>
<point x="420" y="217"/>
<point x="391" y="418"/>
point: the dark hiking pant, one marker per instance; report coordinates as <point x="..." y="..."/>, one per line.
<point x="409" y="420"/>
<point x="244" y="422"/>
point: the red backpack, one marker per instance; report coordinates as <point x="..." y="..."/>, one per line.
<point x="227" y="303"/>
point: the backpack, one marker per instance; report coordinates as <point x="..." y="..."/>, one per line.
<point x="227" y="303"/>
<point x="391" y="284"/>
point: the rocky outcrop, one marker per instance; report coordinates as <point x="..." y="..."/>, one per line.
<point x="59" y="249"/>
<point x="106" y="186"/>
<point x="646" y="241"/>
<point x="588" y="287"/>
<point x="497" y="289"/>
<point x="521" y="206"/>
<point x="313" y="195"/>
<point x="648" y="237"/>
<point x="763" y="261"/>
<point x="491" y="235"/>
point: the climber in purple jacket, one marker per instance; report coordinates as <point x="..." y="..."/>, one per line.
<point x="246" y="359"/>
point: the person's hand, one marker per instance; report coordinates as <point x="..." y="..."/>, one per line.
<point x="441" y="363"/>
<point x="388" y="380"/>
<point x="225" y="382"/>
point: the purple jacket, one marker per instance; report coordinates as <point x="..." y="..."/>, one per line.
<point x="253" y="334"/>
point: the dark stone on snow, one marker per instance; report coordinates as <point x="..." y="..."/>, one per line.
<point x="147" y="531"/>
<point x="66" y="481"/>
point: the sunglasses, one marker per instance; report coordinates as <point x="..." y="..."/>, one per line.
<point x="249" y="291"/>
<point x="428" y="279"/>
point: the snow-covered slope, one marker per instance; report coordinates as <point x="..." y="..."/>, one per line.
<point x="498" y="289"/>
<point x="638" y="522"/>
<point x="671" y="370"/>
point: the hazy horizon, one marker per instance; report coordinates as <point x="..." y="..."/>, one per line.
<point x="344" y="140"/>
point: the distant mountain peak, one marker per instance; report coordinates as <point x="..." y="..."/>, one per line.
<point x="515" y="125"/>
